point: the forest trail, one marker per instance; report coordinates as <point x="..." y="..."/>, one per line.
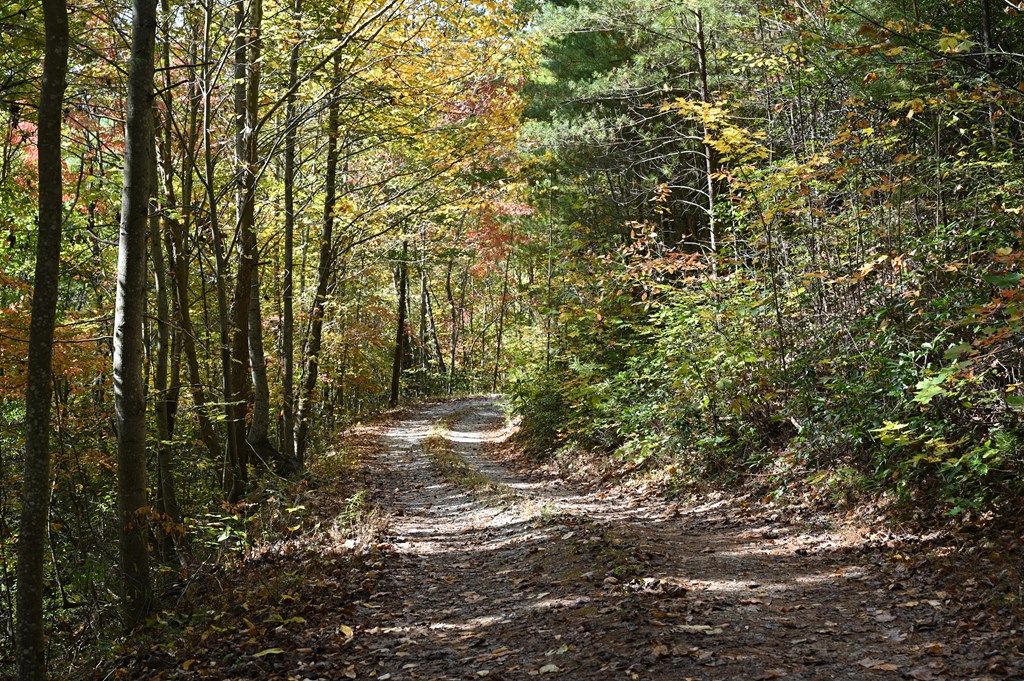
<point x="499" y="573"/>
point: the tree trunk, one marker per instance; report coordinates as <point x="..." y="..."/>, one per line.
<point x="129" y="309"/>
<point x="709" y="153"/>
<point x="396" y="365"/>
<point x="247" y="26"/>
<point x="218" y="248"/>
<point x="424" y="353"/>
<point x="164" y="403"/>
<point x="258" y="436"/>
<point x="324" y="268"/>
<point x="501" y="315"/>
<point x="287" y="436"/>
<point x="438" y="352"/>
<point x="35" y="500"/>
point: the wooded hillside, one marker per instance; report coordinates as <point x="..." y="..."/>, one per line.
<point x="787" y="243"/>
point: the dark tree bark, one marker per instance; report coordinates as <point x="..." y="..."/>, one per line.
<point x="396" y="365"/>
<point x="129" y="309"/>
<point x="246" y="97"/>
<point x="165" y="400"/>
<point x="257" y="436"/>
<point x="35" y="504"/>
<point x="438" y="352"/>
<point x="324" y="269"/>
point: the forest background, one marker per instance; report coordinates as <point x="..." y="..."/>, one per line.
<point x="721" y="243"/>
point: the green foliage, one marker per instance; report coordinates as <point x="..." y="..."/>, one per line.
<point x="854" y="317"/>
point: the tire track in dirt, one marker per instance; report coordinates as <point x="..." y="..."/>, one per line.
<point x="526" y="577"/>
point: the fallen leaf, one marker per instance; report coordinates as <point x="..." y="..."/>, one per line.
<point x="269" y="651"/>
<point x="894" y="636"/>
<point x="549" y="669"/>
<point x="878" y="665"/>
<point x="699" y="629"/>
<point x="347" y="630"/>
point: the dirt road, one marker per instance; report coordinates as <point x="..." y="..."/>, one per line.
<point x="496" y="573"/>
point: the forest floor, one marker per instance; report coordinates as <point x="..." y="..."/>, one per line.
<point x="475" y="565"/>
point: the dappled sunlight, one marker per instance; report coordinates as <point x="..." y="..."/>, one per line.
<point x="478" y="573"/>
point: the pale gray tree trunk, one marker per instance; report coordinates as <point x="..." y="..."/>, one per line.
<point x="129" y="309"/>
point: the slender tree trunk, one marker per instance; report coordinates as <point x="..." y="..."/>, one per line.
<point x="219" y="255"/>
<point x="424" y="353"/>
<point x="442" y="369"/>
<point x="35" y="500"/>
<point x="501" y="316"/>
<point x="287" y="437"/>
<point x="258" y="436"/>
<point x="456" y="313"/>
<point x="129" y="309"/>
<point x="986" y="33"/>
<point x="168" y="352"/>
<point x="396" y="365"/>
<point x="324" y="269"/>
<point x="164" y="402"/>
<point x="247" y="26"/>
<point x="179" y="269"/>
<point x="709" y="153"/>
<point x="175" y="233"/>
